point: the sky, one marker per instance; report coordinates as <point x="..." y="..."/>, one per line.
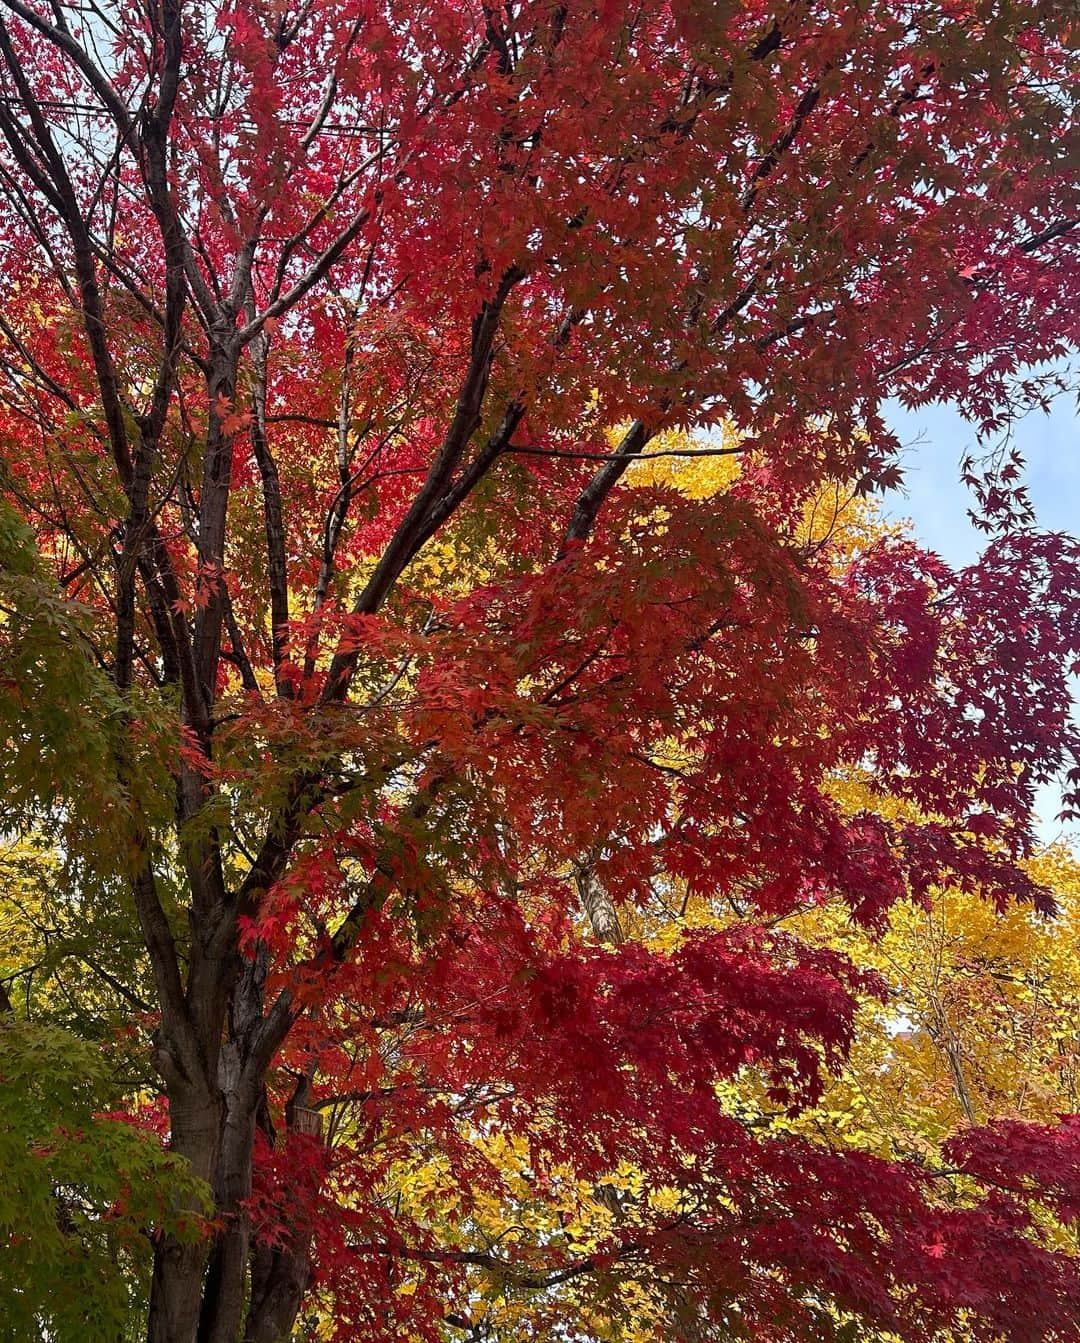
<point x="935" y="439"/>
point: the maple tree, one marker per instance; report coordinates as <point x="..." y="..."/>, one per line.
<point x="348" y="659"/>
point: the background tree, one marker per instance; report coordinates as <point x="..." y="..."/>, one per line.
<point x="289" y="293"/>
<point x="980" y="1022"/>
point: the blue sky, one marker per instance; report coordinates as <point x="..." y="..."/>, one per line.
<point x="935" y="439"/>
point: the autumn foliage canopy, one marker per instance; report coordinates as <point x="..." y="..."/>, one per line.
<point x="445" y="660"/>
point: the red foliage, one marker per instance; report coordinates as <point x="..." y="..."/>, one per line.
<point x="314" y="325"/>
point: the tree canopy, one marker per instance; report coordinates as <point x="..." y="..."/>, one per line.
<point x="467" y="761"/>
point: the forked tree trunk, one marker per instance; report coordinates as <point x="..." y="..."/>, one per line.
<point x="231" y="1289"/>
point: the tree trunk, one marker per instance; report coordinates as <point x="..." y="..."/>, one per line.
<point x="179" y="1263"/>
<point x="223" y="1296"/>
<point x="281" y="1276"/>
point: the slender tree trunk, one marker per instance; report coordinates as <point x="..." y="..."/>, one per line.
<point x="597" y="903"/>
<point x="223" y="1296"/>
<point x="226" y="1279"/>
<point x="280" y="1277"/>
<point x="179" y="1263"/>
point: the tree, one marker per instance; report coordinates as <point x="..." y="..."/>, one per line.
<point x="980" y="1021"/>
<point x="297" y="301"/>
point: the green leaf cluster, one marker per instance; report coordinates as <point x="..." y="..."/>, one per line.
<point x="80" y="1192"/>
